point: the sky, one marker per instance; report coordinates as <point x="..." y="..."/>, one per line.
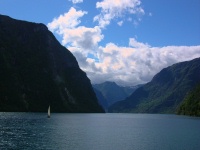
<point x="124" y="41"/>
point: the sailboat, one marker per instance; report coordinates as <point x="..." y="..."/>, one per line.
<point x="48" y="112"/>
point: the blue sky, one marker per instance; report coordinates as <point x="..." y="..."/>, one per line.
<point x="126" y="41"/>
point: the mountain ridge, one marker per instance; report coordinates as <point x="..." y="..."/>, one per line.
<point x="109" y="92"/>
<point x="37" y="71"/>
<point x="164" y="92"/>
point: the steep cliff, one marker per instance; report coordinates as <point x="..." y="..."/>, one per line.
<point x="36" y="71"/>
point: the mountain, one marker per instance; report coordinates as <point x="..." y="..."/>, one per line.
<point x="191" y="104"/>
<point x="37" y="71"/>
<point x="165" y="92"/>
<point x="111" y="92"/>
<point x="101" y="99"/>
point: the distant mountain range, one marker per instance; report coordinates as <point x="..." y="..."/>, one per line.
<point x="166" y="91"/>
<point x="109" y="93"/>
<point x="37" y="71"/>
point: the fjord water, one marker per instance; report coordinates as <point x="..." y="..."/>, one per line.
<point x="99" y="131"/>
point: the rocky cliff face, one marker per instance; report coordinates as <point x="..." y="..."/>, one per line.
<point x="36" y="71"/>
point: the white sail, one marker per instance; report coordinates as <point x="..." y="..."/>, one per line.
<point x="49" y="112"/>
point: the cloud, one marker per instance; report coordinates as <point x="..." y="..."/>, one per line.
<point x="120" y="23"/>
<point x="68" y="20"/>
<point x="78" y="38"/>
<point x="82" y="37"/>
<point x="111" y="9"/>
<point x="137" y="63"/>
<point x="76" y="1"/>
<point x="133" y="64"/>
<point x="136" y="44"/>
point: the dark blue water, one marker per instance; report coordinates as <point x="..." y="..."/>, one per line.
<point x="98" y="132"/>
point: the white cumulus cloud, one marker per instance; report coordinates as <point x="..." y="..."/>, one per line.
<point x="67" y="20"/>
<point x="126" y="65"/>
<point x="111" y="9"/>
<point x="74" y="36"/>
<point x="137" y="63"/>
